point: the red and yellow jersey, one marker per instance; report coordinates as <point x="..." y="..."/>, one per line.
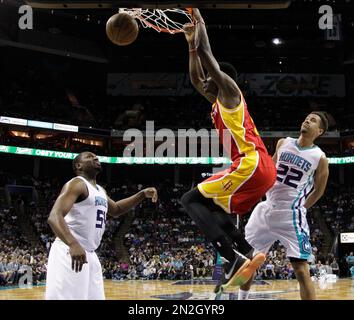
<point x="237" y="130"/>
<point x="252" y="172"/>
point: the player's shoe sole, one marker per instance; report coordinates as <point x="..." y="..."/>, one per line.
<point x="235" y="279"/>
<point x="223" y="284"/>
<point x="252" y="267"/>
<point x="245" y="272"/>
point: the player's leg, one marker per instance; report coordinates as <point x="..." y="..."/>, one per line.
<point x="62" y="282"/>
<point x="247" y="195"/>
<point x="258" y="229"/>
<point x="225" y="222"/>
<point x="96" y="287"/>
<point x="244" y="290"/>
<point x="198" y="208"/>
<point x="302" y="273"/>
<point x="236" y="190"/>
<point x="258" y="234"/>
<point x="294" y="235"/>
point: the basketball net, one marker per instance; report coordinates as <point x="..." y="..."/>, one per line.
<point x="162" y="20"/>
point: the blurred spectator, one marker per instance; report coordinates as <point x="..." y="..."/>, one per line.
<point x="350" y="260"/>
<point x="352" y="272"/>
<point x="269" y="272"/>
<point x="335" y="267"/>
<point x="16" y="252"/>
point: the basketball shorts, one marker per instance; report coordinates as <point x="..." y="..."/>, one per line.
<point x="240" y="187"/>
<point x="65" y="284"/>
<point x="269" y="223"/>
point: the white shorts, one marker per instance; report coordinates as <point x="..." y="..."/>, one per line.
<point x="65" y="284"/>
<point x="269" y="223"/>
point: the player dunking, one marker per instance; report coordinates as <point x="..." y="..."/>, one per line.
<point x="78" y="219"/>
<point x="301" y="181"/>
<point x="237" y="189"/>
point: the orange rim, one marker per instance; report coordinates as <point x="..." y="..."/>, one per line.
<point x="190" y="11"/>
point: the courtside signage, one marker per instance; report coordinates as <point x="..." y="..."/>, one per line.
<point x="138" y="160"/>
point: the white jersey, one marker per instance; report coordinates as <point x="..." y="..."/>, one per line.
<point x="296" y="167"/>
<point x="283" y="215"/>
<point x="87" y="219"/>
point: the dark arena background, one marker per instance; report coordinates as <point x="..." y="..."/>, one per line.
<point x="65" y="88"/>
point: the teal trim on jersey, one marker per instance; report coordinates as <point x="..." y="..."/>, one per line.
<point x="298" y="235"/>
<point x="304" y="148"/>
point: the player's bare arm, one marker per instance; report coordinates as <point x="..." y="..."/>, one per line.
<point x="72" y="192"/>
<point x="116" y="209"/>
<point x="275" y="155"/>
<point x="196" y="72"/>
<point x="229" y="94"/>
<point x="320" y="183"/>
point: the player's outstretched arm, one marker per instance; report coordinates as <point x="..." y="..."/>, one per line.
<point x="71" y="192"/>
<point x="196" y="72"/>
<point x="321" y="178"/>
<point x="116" y="209"/>
<point x="224" y="82"/>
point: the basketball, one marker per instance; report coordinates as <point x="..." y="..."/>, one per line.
<point x="122" y="29"/>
